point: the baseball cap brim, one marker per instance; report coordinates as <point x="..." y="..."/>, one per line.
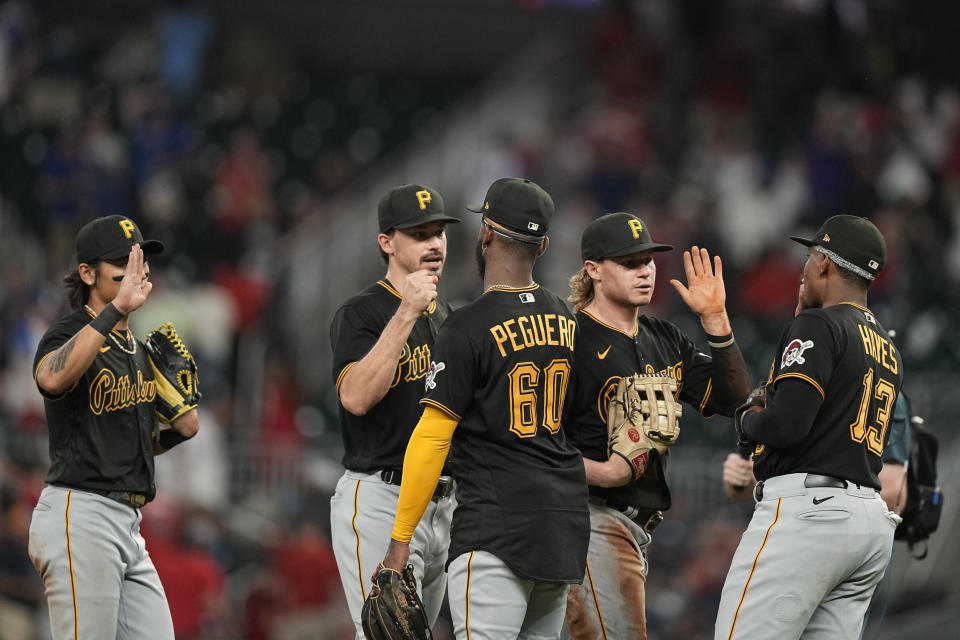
<point x="417" y="222"/>
<point x="807" y="242"/>
<point x="150" y="247"/>
<point x="639" y="248"/>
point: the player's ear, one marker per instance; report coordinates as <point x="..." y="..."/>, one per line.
<point x="824" y="265"/>
<point x="485" y="236"/>
<point x="88" y="274"/>
<point x="543" y="246"/>
<point x="592" y="268"/>
<point x="385" y="240"/>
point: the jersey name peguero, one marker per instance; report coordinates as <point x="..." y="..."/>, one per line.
<point x="846" y="354"/>
<point x="102" y="429"/>
<point x="501" y="368"/>
<point x="603" y="355"/>
<point x="378" y="439"/>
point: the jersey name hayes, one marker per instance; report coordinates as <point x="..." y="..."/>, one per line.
<point x="516" y="334"/>
<point x="878" y="347"/>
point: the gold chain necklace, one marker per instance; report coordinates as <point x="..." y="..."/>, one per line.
<point x="130" y="339"/>
<point x="507" y="286"/>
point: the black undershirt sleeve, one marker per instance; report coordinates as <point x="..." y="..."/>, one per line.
<point x="787" y="419"/>
<point x="731" y="385"/>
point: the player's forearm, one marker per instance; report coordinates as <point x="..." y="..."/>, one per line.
<point x="368" y="381"/>
<point x="615" y="472"/>
<point x="188" y="424"/>
<point x="422" y="465"/>
<point x="729" y="379"/>
<point x="788" y="418"/>
<point x="61" y="369"/>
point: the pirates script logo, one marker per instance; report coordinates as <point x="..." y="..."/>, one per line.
<point x="110" y="393"/>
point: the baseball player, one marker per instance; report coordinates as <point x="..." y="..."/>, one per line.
<point x="495" y="393"/>
<point x="738" y="478"/>
<point x="626" y="504"/>
<point x="820" y="537"/>
<point x="382" y="340"/>
<point x="100" y="396"/>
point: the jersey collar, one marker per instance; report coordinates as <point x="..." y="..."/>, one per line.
<point x="636" y="325"/>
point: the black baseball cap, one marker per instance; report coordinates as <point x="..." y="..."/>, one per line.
<point x="617" y="234"/>
<point x="852" y="242"/>
<point x="111" y="237"/>
<point x="410" y="205"/>
<point x="519" y="207"/>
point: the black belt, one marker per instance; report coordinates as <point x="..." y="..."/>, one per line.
<point x="812" y="481"/>
<point x="444" y="484"/>
<point x="135" y="500"/>
<point x="648" y="519"/>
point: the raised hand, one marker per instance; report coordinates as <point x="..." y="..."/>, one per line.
<point x="135" y="287"/>
<point x="704" y="292"/>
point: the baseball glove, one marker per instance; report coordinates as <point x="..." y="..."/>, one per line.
<point x="757" y="398"/>
<point x="393" y="610"/>
<point x="642" y="416"/>
<point x="175" y="372"/>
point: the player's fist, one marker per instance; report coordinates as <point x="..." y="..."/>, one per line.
<point x="738" y="471"/>
<point x="419" y="290"/>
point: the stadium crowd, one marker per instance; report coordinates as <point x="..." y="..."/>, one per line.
<point x="725" y="124"/>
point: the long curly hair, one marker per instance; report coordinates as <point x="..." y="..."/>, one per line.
<point x="581" y="289"/>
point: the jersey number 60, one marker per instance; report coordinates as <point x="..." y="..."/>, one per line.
<point x="525" y="381"/>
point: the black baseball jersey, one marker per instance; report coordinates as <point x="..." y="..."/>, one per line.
<point x="102" y="429"/>
<point x="501" y="368"/>
<point x="846" y="354"/>
<point x="603" y="356"/>
<point x="379" y="439"/>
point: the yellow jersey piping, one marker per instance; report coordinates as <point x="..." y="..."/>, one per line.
<point x="802" y="376"/>
<point x="353" y="523"/>
<point x="596" y="601"/>
<point x="73" y="582"/>
<point x="753" y="569"/>
<point x="449" y="412"/>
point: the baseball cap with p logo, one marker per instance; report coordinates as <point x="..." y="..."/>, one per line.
<point x="110" y="238"/>
<point x="410" y="205"/>
<point x="851" y="242"/>
<point x="617" y="234"/>
<point x="518" y="208"/>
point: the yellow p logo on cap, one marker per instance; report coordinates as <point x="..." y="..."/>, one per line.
<point x="423" y="197"/>
<point x="127" y="226"/>
<point x="636" y="226"/>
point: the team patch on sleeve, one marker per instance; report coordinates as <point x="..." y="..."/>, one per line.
<point x="435" y="368"/>
<point x="793" y="354"/>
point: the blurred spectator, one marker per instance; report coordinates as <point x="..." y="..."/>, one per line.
<point x="186" y="31"/>
<point x="21" y="591"/>
<point x="193" y="581"/>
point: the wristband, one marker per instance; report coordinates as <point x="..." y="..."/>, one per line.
<point x="106" y="320"/>
<point x="169" y="438"/>
<point x="719" y="342"/>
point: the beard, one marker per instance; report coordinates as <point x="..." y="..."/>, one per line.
<point x="481" y="260"/>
